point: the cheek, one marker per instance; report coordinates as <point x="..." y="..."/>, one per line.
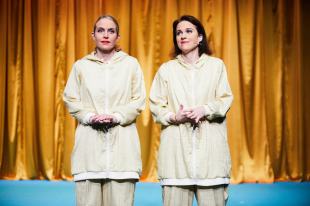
<point x="196" y="39"/>
<point x="114" y="39"/>
<point x="178" y="41"/>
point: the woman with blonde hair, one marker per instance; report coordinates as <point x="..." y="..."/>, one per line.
<point x="105" y="92"/>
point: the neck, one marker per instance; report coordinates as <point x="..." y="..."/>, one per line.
<point x="191" y="57"/>
<point x="104" y="55"/>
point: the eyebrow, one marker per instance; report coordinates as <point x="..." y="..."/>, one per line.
<point x="185" y="28"/>
<point x="99" y="27"/>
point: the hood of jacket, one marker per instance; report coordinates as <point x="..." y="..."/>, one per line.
<point x="118" y="56"/>
<point x="197" y="65"/>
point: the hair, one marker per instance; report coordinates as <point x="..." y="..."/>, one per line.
<point x="203" y="46"/>
<point x="107" y="17"/>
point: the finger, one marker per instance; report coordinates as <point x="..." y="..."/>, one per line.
<point x="96" y="119"/>
<point x="191" y="115"/>
<point x="106" y="117"/>
<point x="181" y="107"/>
<point x="197" y="119"/>
<point x="187" y="111"/>
<point x="95" y="116"/>
<point x="100" y="117"/>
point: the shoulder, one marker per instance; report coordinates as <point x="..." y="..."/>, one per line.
<point x="214" y="60"/>
<point x="129" y="62"/>
<point x="214" y="63"/>
<point x="78" y="64"/>
<point x="168" y="66"/>
<point x="172" y="63"/>
<point x="131" y="59"/>
<point x="81" y="64"/>
<point x="166" y="70"/>
<point x="127" y="58"/>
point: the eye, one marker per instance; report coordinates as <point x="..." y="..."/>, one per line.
<point x="179" y="32"/>
<point x="189" y="31"/>
<point x="111" y="31"/>
<point x="100" y="30"/>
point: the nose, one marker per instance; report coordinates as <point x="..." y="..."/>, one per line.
<point x="183" y="36"/>
<point x="105" y="35"/>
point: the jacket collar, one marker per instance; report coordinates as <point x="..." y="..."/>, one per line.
<point x="197" y="65"/>
<point x="118" y="56"/>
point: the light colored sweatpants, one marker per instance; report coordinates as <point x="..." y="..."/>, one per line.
<point x="184" y="195"/>
<point x="105" y="192"/>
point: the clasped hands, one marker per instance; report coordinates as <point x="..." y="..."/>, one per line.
<point x="103" y="122"/>
<point x="103" y="119"/>
<point x="192" y="115"/>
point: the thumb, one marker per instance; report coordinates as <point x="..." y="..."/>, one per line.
<point x="181" y="107"/>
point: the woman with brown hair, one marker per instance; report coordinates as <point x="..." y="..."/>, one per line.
<point x="190" y="97"/>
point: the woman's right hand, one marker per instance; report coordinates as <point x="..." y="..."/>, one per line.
<point x="180" y="117"/>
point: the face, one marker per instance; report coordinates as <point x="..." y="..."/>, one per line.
<point x="105" y="35"/>
<point x="187" y="37"/>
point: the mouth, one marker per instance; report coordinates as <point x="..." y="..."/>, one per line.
<point x="105" y="42"/>
<point x="184" y="42"/>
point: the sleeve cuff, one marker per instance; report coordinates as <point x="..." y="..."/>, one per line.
<point x="86" y="119"/>
<point x="167" y="117"/>
<point x="119" y="118"/>
<point x="207" y="110"/>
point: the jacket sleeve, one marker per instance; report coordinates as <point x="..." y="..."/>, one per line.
<point x="128" y="113"/>
<point x="223" y="97"/>
<point x="72" y="98"/>
<point x="159" y="99"/>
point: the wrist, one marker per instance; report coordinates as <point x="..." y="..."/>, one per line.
<point x="175" y="118"/>
<point x="91" y="119"/>
<point x="172" y="118"/>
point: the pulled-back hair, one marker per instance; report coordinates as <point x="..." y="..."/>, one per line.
<point x="203" y="46"/>
<point x="107" y="17"/>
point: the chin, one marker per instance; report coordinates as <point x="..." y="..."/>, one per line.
<point x="186" y="49"/>
<point x="106" y="49"/>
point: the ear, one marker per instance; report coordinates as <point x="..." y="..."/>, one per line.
<point x="200" y="38"/>
<point x="93" y="35"/>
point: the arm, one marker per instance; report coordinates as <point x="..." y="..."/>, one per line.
<point x="126" y="114"/>
<point x="72" y="98"/>
<point x="224" y="97"/>
<point x="159" y="100"/>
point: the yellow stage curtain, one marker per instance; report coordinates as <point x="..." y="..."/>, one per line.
<point x="263" y="44"/>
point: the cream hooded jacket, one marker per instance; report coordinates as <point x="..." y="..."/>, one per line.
<point x="115" y="87"/>
<point x="188" y="155"/>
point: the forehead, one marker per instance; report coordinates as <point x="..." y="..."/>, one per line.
<point x="105" y="23"/>
<point x="185" y="25"/>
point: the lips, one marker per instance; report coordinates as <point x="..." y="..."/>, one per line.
<point x="105" y="42"/>
<point x="184" y="42"/>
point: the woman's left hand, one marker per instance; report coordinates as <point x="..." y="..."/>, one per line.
<point x="196" y="114"/>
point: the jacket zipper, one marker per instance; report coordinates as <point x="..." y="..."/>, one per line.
<point x="106" y="100"/>
<point x="193" y="131"/>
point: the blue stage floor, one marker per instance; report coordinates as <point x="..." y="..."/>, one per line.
<point x="61" y="193"/>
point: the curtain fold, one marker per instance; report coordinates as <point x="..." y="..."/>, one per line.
<point x="263" y="44"/>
